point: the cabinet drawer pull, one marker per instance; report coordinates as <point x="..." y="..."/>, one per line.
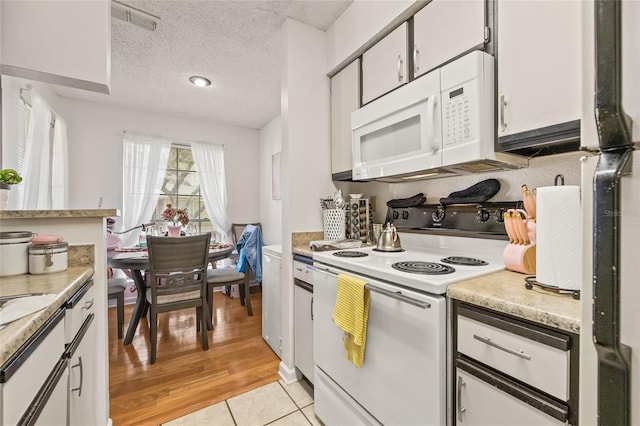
<point x="79" y="388"/>
<point x="460" y="408"/>
<point x="416" y="56"/>
<point x="87" y="305"/>
<point x="400" y="61"/>
<point x="488" y="341"/>
<point x="503" y="123"/>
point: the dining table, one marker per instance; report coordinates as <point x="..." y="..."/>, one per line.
<point x="137" y="261"/>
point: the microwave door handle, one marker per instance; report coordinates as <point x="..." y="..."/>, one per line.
<point x="432" y="103"/>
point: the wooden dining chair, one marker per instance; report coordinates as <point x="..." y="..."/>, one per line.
<point x="224" y="277"/>
<point x="177" y="280"/>
<point x="115" y="290"/>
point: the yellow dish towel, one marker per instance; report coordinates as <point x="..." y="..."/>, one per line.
<point x="351" y="313"/>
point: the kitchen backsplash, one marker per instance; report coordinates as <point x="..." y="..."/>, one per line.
<point x="541" y="172"/>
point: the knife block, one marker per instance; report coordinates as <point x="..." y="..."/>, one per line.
<point x="520" y="258"/>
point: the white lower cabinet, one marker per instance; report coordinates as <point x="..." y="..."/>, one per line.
<point x="272" y="297"/>
<point x="303" y="327"/>
<point x="480" y="403"/>
<point x="511" y="372"/>
<point x="82" y="378"/>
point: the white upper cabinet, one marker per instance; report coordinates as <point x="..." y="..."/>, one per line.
<point x="445" y="29"/>
<point x="58" y="42"/>
<point x="384" y="66"/>
<point x="345" y="94"/>
<point x="539" y="65"/>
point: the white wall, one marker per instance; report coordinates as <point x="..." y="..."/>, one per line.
<point x="95" y="153"/>
<point x="270" y="209"/>
<point x="357" y="25"/>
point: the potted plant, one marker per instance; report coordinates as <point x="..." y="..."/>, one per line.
<point x="8" y="177"/>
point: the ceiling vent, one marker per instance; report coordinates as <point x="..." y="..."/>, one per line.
<point x="135" y="16"/>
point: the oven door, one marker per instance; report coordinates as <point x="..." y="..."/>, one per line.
<point x="403" y="378"/>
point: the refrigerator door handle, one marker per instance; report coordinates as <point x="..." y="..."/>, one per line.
<point x="614" y="132"/>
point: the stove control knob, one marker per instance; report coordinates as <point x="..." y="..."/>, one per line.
<point x="396" y="214"/>
<point x="405" y="214"/>
<point x="438" y="214"/>
<point x="483" y="215"/>
<point x="498" y="216"/>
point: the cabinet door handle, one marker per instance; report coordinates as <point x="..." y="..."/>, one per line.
<point x="312" y="308"/>
<point x="79" y="388"/>
<point x="460" y="409"/>
<point x="87" y="305"/>
<point x="488" y="341"/>
<point x="400" y="76"/>
<point x="416" y="57"/>
<point x="503" y="123"/>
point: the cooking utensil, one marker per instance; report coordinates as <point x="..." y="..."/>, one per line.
<point x="527" y="200"/>
<point x="509" y="227"/>
<point x="521" y="225"/>
<point x="389" y="239"/>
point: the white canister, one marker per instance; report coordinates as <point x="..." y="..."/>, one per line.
<point x="14" y="252"/>
<point x="47" y="258"/>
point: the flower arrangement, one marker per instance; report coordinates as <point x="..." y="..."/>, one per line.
<point x="176" y="215"/>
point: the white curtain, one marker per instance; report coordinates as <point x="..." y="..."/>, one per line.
<point x="60" y="172"/>
<point x="209" y="162"/>
<point x="144" y="167"/>
<point x="35" y="193"/>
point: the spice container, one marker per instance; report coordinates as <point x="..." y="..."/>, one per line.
<point x="48" y="258"/>
<point x="14" y="252"/>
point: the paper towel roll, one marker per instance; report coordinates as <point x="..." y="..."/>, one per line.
<point x="559" y="237"/>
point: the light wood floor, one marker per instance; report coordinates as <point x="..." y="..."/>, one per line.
<point x="186" y="378"/>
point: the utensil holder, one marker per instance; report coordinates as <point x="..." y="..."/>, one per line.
<point x="333" y="224"/>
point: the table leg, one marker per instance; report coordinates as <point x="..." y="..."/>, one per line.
<point x="141" y="302"/>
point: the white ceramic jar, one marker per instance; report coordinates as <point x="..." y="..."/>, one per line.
<point x="48" y="258"/>
<point x="14" y="252"/>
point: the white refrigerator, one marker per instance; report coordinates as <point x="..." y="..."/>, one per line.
<point x="609" y="338"/>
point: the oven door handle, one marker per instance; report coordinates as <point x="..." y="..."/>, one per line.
<point x="397" y="295"/>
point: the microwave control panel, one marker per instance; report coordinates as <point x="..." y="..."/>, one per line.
<point x="458" y="114"/>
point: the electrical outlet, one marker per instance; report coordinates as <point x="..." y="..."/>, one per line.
<point x="372" y="202"/>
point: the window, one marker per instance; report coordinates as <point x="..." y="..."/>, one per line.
<point x="181" y="188"/>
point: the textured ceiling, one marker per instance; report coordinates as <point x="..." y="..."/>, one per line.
<point x="236" y="44"/>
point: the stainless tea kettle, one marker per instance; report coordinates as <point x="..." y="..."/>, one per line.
<point x="389" y="239"/>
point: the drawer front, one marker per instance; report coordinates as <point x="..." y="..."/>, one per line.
<point x="78" y="311"/>
<point x="302" y="272"/>
<point x="474" y="396"/>
<point x="24" y="384"/>
<point x="535" y="363"/>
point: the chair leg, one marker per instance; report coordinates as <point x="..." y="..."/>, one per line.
<point x="204" y="314"/>
<point x="241" y="289"/>
<point x="210" y="306"/>
<point x="120" y="312"/>
<point x="247" y="297"/>
<point x="153" y="334"/>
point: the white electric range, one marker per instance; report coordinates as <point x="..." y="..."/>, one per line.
<point x="403" y="379"/>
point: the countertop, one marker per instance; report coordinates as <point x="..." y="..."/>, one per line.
<point x="302" y="250"/>
<point x="64" y="284"/>
<point x="505" y="292"/>
<point x="42" y="214"/>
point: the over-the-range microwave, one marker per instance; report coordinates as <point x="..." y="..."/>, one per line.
<point x="438" y="125"/>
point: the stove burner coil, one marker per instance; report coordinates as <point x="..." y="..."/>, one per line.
<point x="350" y="254"/>
<point x="461" y="260"/>
<point x="427" y="268"/>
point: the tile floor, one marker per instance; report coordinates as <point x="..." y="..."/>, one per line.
<point x="275" y="404"/>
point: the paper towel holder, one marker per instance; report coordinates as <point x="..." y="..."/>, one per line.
<point x="529" y="282"/>
<point x="558" y="178"/>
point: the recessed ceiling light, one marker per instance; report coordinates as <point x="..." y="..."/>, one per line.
<point x="199" y="81"/>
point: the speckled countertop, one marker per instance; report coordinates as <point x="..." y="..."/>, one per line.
<point x="300" y="242"/>
<point x="41" y="214"/>
<point x="505" y="292"/>
<point x="64" y="284"/>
